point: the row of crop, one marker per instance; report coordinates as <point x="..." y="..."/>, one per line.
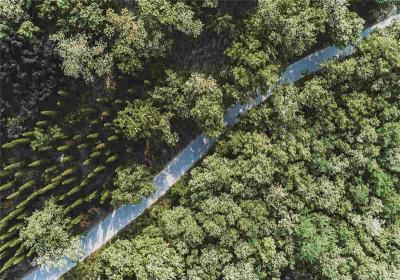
<point x="72" y="168"/>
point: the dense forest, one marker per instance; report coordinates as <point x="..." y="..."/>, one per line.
<point x="97" y="96"/>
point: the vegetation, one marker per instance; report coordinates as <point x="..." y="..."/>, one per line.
<point x="305" y="187"/>
<point x="48" y="233"/>
<point x="133" y="184"/>
<point x="97" y="96"/>
<point x="198" y="98"/>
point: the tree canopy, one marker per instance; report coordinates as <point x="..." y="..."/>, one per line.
<point x="48" y="232"/>
<point x="305" y="186"/>
<point x="97" y="96"/>
<point x="133" y="184"/>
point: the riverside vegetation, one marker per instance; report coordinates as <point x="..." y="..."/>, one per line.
<point x="96" y="96"/>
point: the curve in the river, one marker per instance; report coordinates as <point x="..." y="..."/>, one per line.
<point x="121" y="217"/>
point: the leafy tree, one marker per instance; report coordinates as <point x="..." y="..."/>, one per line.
<point x="198" y="98"/>
<point x="162" y="13"/>
<point x="12" y="10"/>
<point x="304" y="187"/>
<point x="48" y="232"/>
<point x="206" y="96"/>
<point x="315" y="243"/>
<point x="273" y="33"/>
<point x="276" y="32"/>
<point x="131" y="45"/>
<point x="82" y="60"/>
<point x="344" y="26"/>
<point x="141" y="120"/>
<point x="180" y="225"/>
<point x="132" y="185"/>
<point x="92" y="36"/>
<point x="28" y="29"/>
<point x="74" y="17"/>
<point x="221" y="23"/>
<point x="145" y="257"/>
<point x="42" y="138"/>
<point x="11" y="14"/>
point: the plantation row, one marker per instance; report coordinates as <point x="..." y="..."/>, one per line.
<point x="96" y="96"/>
<point x="52" y="161"/>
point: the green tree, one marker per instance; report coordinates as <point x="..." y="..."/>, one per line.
<point x="162" y="13"/>
<point x="145" y="257"/>
<point x="12" y="12"/>
<point x="204" y="98"/>
<point x="48" y="232"/>
<point x="131" y="45"/>
<point x="344" y="26"/>
<point x="80" y="59"/>
<point x="306" y="184"/>
<point x="132" y="185"/>
<point x="276" y="32"/>
<point x="141" y="120"/>
<point x="74" y="17"/>
<point x="199" y="98"/>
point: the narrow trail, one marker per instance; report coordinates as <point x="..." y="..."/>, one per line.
<point x="99" y="234"/>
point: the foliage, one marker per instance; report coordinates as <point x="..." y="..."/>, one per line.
<point x="82" y="60"/>
<point x="93" y="37"/>
<point x="12" y="12"/>
<point x="179" y="16"/>
<point x="145" y="257"/>
<point x="198" y="98"/>
<point x="141" y="120"/>
<point x="73" y="17"/>
<point x="28" y="29"/>
<point x="274" y="32"/>
<point x="48" y="232"/>
<point x="344" y="26"/>
<point x="42" y="138"/>
<point x="206" y="96"/>
<point x="277" y="196"/>
<point x="131" y="45"/>
<point x="278" y="31"/>
<point x="132" y="185"/>
<point x="306" y="186"/>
